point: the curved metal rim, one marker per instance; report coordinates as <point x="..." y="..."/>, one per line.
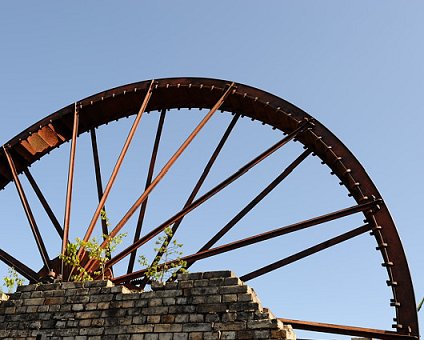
<point x="52" y="131"/>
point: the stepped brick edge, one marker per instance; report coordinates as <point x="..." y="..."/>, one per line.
<point x="207" y="306"/>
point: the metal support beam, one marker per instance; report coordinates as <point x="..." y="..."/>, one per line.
<point x="148" y="182"/>
<point x="118" y="163"/>
<point x="199" y="184"/>
<point x="21" y="268"/>
<point x="207" y="195"/>
<point x="67" y="218"/>
<point x="165" y="169"/>
<point x="28" y="212"/>
<point x="346" y="330"/>
<point x="307" y="252"/>
<point x="256" y="238"/>
<point x="44" y="202"/>
<point x="98" y="175"/>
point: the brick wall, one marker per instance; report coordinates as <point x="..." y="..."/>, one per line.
<point x="210" y="305"/>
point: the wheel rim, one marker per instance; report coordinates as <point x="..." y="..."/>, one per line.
<point x="168" y="94"/>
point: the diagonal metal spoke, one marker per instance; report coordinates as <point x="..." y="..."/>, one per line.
<point x="118" y="163"/>
<point x="98" y="177"/>
<point x="148" y="182"/>
<point x="368" y="333"/>
<point x="207" y="195"/>
<point x="261" y="237"/>
<point x="67" y="218"/>
<point x="28" y="212"/>
<point x="254" y="202"/>
<point x="200" y="182"/>
<point x="165" y="169"/>
<point x="21" y="268"/>
<point x="307" y="252"/>
<point x="44" y="202"/>
<point x="289" y="229"/>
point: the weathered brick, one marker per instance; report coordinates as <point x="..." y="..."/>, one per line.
<point x="211" y="308"/>
<point x="207" y="306"/>
<point x="165" y="328"/>
<point x="54" y="300"/>
<point x="169" y="318"/>
<point x="153" y="318"/>
<point x="233" y="289"/>
<point x="155" y="302"/>
<point x="140" y="328"/>
<point x="33" y="302"/>
<point x="78" y="299"/>
<point x="154" y="310"/>
<point x="196" y="318"/>
<point x="166" y="336"/>
<point x="229" y="298"/>
<point x="197" y="327"/>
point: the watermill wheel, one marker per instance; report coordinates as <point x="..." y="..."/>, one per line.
<point x="212" y="165"/>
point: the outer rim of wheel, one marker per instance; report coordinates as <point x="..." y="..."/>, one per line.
<point x="38" y="140"/>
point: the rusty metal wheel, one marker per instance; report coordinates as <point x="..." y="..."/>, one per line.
<point x="225" y="181"/>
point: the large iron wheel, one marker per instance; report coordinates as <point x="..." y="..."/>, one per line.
<point x="163" y="99"/>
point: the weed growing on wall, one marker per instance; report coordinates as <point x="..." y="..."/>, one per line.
<point x="94" y="251"/>
<point x="13" y="280"/>
<point x="170" y="263"/>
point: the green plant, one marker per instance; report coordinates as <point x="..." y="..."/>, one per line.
<point x="13" y="279"/>
<point x="420" y="304"/>
<point x="94" y="251"/>
<point x="170" y="260"/>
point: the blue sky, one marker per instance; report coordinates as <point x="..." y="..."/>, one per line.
<point x="356" y="66"/>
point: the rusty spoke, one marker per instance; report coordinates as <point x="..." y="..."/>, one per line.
<point x="346" y="330"/>
<point x="21" y="268"/>
<point x="256" y="200"/>
<point x="28" y="212"/>
<point x="165" y="169"/>
<point x="207" y="195"/>
<point x="286" y="230"/>
<point x="44" y="202"/>
<point x="200" y="182"/>
<point x="307" y="252"/>
<point x="260" y="237"/>
<point x="253" y="203"/>
<point x="118" y="164"/>
<point x="71" y="168"/>
<point x="98" y="175"/>
<point x="148" y="182"/>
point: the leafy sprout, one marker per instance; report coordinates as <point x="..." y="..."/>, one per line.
<point x="171" y="262"/>
<point x="13" y="279"/>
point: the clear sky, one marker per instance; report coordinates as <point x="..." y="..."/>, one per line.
<point x="357" y="66"/>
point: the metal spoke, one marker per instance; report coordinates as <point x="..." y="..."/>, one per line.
<point x="256" y="200"/>
<point x="207" y="195"/>
<point x="286" y="230"/>
<point x="119" y="162"/>
<point x="346" y="330"/>
<point x="307" y="252"/>
<point x="28" y="212"/>
<point x="44" y="202"/>
<point x="260" y="237"/>
<point x="165" y="169"/>
<point x="253" y="203"/>
<point x="98" y="176"/>
<point x="21" y="268"/>
<point x="67" y="218"/>
<point x="148" y="182"/>
<point x="200" y="182"/>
